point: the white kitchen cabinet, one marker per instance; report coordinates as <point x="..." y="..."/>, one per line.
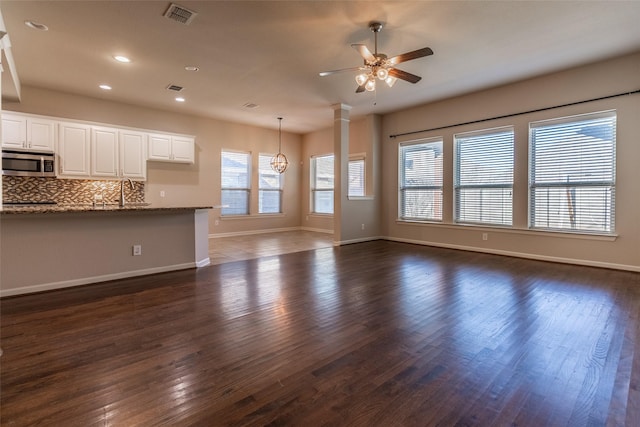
<point x="74" y="146"/>
<point x="133" y="154"/>
<point x="117" y="153"/>
<point x="104" y="152"/>
<point x="28" y="133"/>
<point x="171" y="148"/>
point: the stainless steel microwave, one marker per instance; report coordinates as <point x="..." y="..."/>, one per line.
<point x="23" y="163"/>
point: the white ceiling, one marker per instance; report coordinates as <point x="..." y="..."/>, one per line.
<point x="270" y="52"/>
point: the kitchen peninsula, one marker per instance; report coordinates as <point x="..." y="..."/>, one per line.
<point x="50" y="247"/>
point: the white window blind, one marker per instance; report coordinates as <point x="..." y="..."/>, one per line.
<point x="235" y="174"/>
<point x="572" y="173"/>
<point x="322" y="184"/>
<point x="483" y="181"/>
<point x="420" y="172"/>
<point x="269" y="186"/>
<point x="356" y="177"/>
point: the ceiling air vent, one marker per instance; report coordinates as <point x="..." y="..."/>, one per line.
<point x="180" y="14"/>
<point x="175" y="88"/>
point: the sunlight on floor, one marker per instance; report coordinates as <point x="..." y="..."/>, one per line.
<point x="236" y="248"/>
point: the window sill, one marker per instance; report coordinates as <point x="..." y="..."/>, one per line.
<point x="361" y="197"/>
<point x="510" y="230"/>
<point x="320" y="215"/>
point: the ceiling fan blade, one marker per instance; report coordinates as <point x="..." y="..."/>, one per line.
<point x="328" y="73"/>
<point x="411" y="78"/>
<point x="425" y="51"/>
<point x="360" y="89"/>
<point x="364" y="52"/>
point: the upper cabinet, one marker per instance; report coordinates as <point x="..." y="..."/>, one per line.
<point x="74" y="147"/>
<point x="132" y="147"/>
<point x="90" y="150"/>
<point x="171" y="148"/>
<point x="117" y="153"/>
<point x="28" y="133"/>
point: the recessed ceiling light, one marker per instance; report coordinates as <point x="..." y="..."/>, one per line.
<point x="191" y="68"/>
<point x="105" y="87"/>
<point x="121" y="58"/>
<point x="36" y="25"/>
<point x="180" y="99"/>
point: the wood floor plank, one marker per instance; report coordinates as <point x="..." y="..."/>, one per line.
<point x="370" y="334"/>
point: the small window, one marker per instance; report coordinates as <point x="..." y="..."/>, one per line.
<point x="420" y="179"/>
<point x="572" y="173"/>
<point x="483" y="179"/>
<point x="236" y="175"/>
<point x="356" y="176"/>
<point x="322" y="184"/>
<point x="269" y="187"/>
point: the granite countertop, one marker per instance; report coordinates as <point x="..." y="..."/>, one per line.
<point x="112" y="207"/>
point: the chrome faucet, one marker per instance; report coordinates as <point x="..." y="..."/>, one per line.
<point x="122" y="200"/>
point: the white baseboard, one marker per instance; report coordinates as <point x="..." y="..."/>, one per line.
<point x="93" y="279"/>
<point x="203" y="262"/>
<point x="316" y="230"/>
<point x="536" y="257"/>
<point x="360" y="240"/>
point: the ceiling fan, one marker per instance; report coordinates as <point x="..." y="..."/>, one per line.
<point x="380" y="66"/>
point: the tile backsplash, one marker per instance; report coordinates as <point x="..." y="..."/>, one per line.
<point x="28" y="188"/>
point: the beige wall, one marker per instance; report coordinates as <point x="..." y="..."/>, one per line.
<point x="582" y="83"/>
<point x="197" y="184"/>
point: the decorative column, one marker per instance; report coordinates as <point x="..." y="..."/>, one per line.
<point x="341" y="165"/>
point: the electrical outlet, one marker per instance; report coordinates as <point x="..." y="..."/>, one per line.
<point x="162" y="193"/>
<point x="216" y="222"/>
<point x="362" y="226"/>
<point x="485" y="236"/>
<point x="137" y="250"/>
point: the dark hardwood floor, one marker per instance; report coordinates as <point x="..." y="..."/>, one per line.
<point x="370" y="334"/>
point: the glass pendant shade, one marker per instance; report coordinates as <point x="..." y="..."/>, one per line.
<point x="390" y="81"/>
<point x="279" y="162"/>
<point x="370" y="85"/>
<point x="382" y="73"/>
<point x="361" y="79"/>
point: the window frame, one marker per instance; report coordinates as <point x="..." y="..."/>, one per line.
<point x="314" y="190"/>
<point x="435" y="144"/>
<point x="246" y="189"/>
<point x="357" y="158"/>
<point x="460" y="216"/>
<point x="262" y="189"/>
<point x="534" y="186"/>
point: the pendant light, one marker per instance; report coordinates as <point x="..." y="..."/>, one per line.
<point x="279" y="162"/>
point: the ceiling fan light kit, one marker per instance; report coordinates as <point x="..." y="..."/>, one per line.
<point x="379" y="66"/>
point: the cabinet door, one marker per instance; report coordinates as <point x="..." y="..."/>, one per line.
<point x="183" y="149"/>
<point x="74" y="142"/>
<point x="159" y="147"/>
<point x="104" y="152"/>
<point x="14" y="131"/>
<point x="41" y="134"/>
<point x="133" y="160"/>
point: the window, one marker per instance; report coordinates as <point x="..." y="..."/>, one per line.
<point x="235" y="182"/>
<point x="421" y="180"/>
<point x="483" y="177"/>
<point x="269" y="186"/>
<point x="572" y="173"/>
<point x="322" y="184"/>
<point x="356" y="176"/>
